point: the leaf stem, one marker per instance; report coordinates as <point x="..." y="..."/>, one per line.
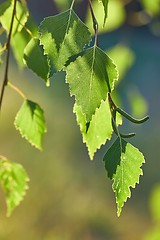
<point x="130" y="118"/>
<point x="17" y="90"/>
<point x="5" y="81"/>
<point x="73" y="1"/>
<point x="113" y="110"/>
<point x="95" y="23"/>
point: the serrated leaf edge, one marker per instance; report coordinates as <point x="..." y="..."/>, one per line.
<point x="129" y="187"/>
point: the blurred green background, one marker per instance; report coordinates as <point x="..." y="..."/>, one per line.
<point x="70" y="197"/>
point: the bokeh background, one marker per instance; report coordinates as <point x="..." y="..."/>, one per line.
<point x="70" y="197"/>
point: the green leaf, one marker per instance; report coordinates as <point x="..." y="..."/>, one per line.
<point x="4" y="6"/>
<point x="23" y="37"/>
<point x="31" y="124"/>
<point x="36" y="60"/>
<point x="99" y="130"/>
<point x="62" y="36"/>
<point x="123" y="163"/>
<point x="91" y="76"/>
<point x="105" y="5"/>
<point x="19" y="20"/>
<point x="116" y="16"/>
<point x="13" y="179"/>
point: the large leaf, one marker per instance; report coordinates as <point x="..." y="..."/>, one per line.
<point x="91" y="76"/>
<point x="36" y="60"/>
<point x="105" y="5"/>
<point x="62" y="36"/>
<point x="13" y="179"/>
<point x="30" y="122"/>
<point x="123" y="163"/>
<point x="99" y="129"/>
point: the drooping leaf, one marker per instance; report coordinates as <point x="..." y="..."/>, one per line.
<point x="36" y="60"/>
<point x="62" y="36"/>
<point x="21" y="39"/>
<point x="13" y="179"/>
<point x="99" y="130"/>
<point x="116" y="16"/>
<point x="31" y="124"/>
<point x="91" y="76"/>
<point x="105" y="5"/>
<point x="123" y="163"/>
<point x="19" y="20"/>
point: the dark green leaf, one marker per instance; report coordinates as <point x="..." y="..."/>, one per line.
<point x="36" y="60"/>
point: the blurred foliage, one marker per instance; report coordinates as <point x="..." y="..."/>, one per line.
<point x="154" y="205"/>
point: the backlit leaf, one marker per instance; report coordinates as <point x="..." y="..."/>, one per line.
<point x="123" y="163"/>
<point x="91" y="76"/>
<point x="19" y="20"/>
<point x="31" y="124"/>
<point x="62" y="36"/>
<point x="99" y="130"/>
<point x="13" y="179"/>
<point x="105" y="5"/>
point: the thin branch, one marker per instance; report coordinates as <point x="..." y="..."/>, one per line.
<point x="17" y="90"/>
<point x="5" y="81"/>
<point x="95" y="23"/>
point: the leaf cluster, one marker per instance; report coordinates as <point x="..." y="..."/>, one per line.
<point x="63" y="43"/>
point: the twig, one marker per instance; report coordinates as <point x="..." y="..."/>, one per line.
<point x="17" y="90"/>
<point x="95" y="23"/>
<point x="5" y="81"/>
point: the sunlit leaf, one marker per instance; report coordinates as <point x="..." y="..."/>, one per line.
<point x="105" y="5"/>
<point x="4" y="6"/>
<point x="19" y="20"/>
<point x="13" y="179"/>
<point x="116" y="16"/>
<point x="123" y="163"/>
<point x="31" y="124"/>
<point x="90" y="77"/>
<point x="36" y="60"/>
<point x="62" y="36"/>
<point x="99" y="129"/>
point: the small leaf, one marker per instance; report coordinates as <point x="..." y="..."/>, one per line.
<point x="99" y="130"/>
<point x="20" y="19"/>
<point x="123" y="163"/>
<point x="21" y="39"/>
<point x="13" y="179"/>
<point x="62" y="36"/>
<point x="105" y="5"/>
<point x="31" y="124"/>
<point x="36" y="60"/>
<point x="91" y="76"/>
